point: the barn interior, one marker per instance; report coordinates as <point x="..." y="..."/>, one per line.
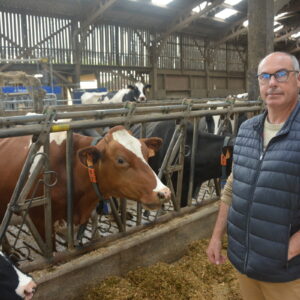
<point x="182" y="48"/>
<point x="189" y="51"/>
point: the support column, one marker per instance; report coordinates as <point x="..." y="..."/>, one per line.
<point x="97" y="76"/>
<point x="153" y="73"/>
<point x="260" y="39"/>
<point x="207" y="66"/>
<point x="24" y="36"/>
<point x="77" y="47"/>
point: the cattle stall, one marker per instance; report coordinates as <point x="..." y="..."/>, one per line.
<point x="35" y="251"/>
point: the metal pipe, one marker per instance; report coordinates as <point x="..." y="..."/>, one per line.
<point x="169" y="151"/>
<point x="181" y="145"/>
<point x="48" y="202"/>
<point x="36" y="129"/>
<point x="70" y="188"/>
<point x="6" y="121"/>
<point x="193" y="160"/>
<point x="31" y="179"/>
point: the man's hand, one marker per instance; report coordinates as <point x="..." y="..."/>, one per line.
<point x="213" y="252"/>
<point x="215" y="245"/>
<point x="294" y="245"/>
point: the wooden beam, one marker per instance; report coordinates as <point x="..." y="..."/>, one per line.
<point x="27" y="51"/>
<point x="99" y="10"/>
<point x="236" y="30"/>
<point x="141" y="38"/>
<point x="185" y="19"/>
<point x="199" y="47"/>
<point x="285" y="36"/>
<point x="118" y="73"/>
<point x="9" y="40"/>
<point x="278" y="5"/>
<point x="297" y="49"/>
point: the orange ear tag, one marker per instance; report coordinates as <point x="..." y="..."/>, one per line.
<point x="91" y="169"/>
<point x="223" y="160"/>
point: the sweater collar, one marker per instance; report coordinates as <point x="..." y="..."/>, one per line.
<point x="259" y="124"/>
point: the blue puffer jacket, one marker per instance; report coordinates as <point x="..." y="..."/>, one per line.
<point x="265" y="210"/>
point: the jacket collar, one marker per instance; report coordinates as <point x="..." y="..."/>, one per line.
<point x="259" y="123"/>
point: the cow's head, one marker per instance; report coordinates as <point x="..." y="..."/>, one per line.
<point x="120" y="162"/>
<point x="138" y="91"/>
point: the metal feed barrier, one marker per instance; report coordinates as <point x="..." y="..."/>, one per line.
<point x="101" y="116"/>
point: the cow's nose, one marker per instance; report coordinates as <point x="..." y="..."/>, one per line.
<point x="142" y="99"/>
<point x="164" y="194"/>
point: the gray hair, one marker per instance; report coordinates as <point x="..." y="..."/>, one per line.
<point x="293" y="58"/>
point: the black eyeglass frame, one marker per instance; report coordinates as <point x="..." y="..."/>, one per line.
<point x="276" y="76"/>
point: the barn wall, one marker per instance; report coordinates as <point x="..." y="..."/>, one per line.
<point x="119" y="55"/>
<point x="174" y="84"/>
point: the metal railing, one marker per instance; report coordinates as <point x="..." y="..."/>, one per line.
<point x="101" y="116"/>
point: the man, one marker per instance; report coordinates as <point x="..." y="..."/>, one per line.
<point x="261" y="201"/>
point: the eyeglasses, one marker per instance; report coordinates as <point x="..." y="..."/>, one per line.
<point x="280" y="76"/>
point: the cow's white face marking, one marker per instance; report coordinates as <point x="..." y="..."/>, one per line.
<point x="129" y="142"/>
<point x="58" y="137"/>
<point x="140" y="87"/>
<point x="134" y="145"/>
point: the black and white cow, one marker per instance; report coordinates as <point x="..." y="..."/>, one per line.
<point x="133" y="93"/>
<point x="14" y="285"/>
<point x="208" y="155"/>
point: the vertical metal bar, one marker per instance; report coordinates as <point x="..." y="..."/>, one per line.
<point x="181" y="163"/>
<point x="48" y="203"/>
<point x="123" y="212"/>
<point x="193" y="160"/>
<point x="116" y="215"/>
<point x="139" y="206"/>
<point x="168" y="153"/>
<point x="70" y="190"/>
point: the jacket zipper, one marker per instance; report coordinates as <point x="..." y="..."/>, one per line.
<point x="261" y="157"/>
<point x="287" y="251"/>
<point x="250" y="204"/>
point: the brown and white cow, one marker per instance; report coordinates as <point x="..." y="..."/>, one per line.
<point x="120" y="163"/>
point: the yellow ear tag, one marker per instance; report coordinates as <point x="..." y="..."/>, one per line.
<point x="151" y="152"/>
<point x="227" y="154"/>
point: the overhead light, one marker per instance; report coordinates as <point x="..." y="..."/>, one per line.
<point x="278" y="28"/>
<point x="232" y="2"/>
<point x="226" y="13"/>
<point x="295" y="35"/>
<point x="276" y="23"/>
<point x="200" y="7"/>
<point x="38" y="75"/>
<point x="280" y="15"/>
<point x="246" y="23"/>
<point x="161" y="2"/>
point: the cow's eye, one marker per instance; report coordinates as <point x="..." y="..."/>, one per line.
<point x="120" y="160"/>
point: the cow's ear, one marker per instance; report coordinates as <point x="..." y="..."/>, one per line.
<point x="147" y="86"/>
<point x="153" y="144"/>
<point x="130" y="87"/>
<point x="91" y="152"/>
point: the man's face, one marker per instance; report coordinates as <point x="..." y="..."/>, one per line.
<point x="279" y="94"/>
